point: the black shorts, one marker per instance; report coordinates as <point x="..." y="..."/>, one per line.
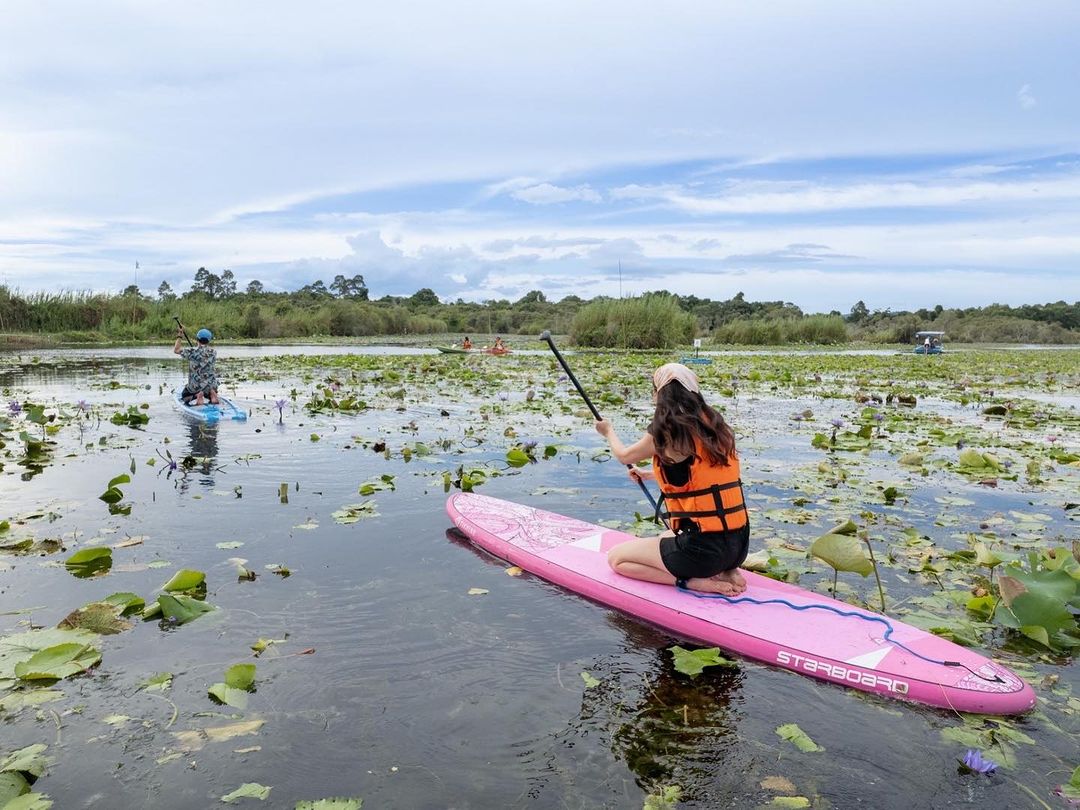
<point x="702" y="554"/>
<point x="187" y="395"/>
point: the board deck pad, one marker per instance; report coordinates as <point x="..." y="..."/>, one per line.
<point x="851" y="650"/>
<point x="208" y="412"/>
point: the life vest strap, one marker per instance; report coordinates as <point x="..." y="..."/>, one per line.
<point x="719" y="511"/>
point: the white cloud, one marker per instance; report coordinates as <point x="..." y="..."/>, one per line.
<point x="1025" y="98"/>
<point x="547" y="194"/>
<point x="794" y="197"/>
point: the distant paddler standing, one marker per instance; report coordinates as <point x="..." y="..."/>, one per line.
<point x="202" y="381"/>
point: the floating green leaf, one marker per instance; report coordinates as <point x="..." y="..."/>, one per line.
<point x="843" y="552"/>
<point x="354" y="512"/>
<point x="664" y="798"/>
<point x="186" y="580"/>
<point x="1071" y="789"/>
<point x="17" y="701"/>
<point x="590" y="681"/>
<point x="90" y="562"/>
<point x="795" y="735"/>
<point x="57" y="662"/>
<point x="112" y="493"/>
<point x="128" y="603"/>
<point x="376" y="485"/>
<point x="157" y="683"/>
<point x="181" y="608"/>
<point x="516" y="457"/>
<point x="223" y="693"/>
<point x="30" y="760"/>
<point x="248" y="790"/>
<point x="693" y="662"/>
<point x="12" y="785"/>
<point x="29" y="801"/>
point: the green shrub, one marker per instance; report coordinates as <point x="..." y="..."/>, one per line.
<point x="646" y="322"/>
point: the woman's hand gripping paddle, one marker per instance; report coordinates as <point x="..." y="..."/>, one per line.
<point x="546" y="337"/>
<point x="183" y="331"/>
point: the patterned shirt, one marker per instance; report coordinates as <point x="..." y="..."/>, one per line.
<point x="202" y="376"/>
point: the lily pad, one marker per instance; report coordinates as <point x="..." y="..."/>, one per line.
<point x="30" y="760"/>
<point x="186" y="580"/>
<point x="693" y="662"/>
<point x="58" y="662"/>
<point x="90" y="562"/>
<point x="248" y="790"/>
<point x="843" y="552"/>
<point x="181" y="608"/>
<point x="799" y="738"/>
<point x="339" y="803"/>
<point x="157" y="683"/>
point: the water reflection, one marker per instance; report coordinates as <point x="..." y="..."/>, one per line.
<point x="672" y="729"/>
<point x="200" y="463"/>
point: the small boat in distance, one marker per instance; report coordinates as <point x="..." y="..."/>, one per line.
<point x="928" y="342"/>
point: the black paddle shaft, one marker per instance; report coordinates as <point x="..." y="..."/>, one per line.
<point x="183" y="330"/>
<point x="546" y="337"/>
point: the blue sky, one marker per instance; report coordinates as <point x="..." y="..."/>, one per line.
<point x="905" y="154"/>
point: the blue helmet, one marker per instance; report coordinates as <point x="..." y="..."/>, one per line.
<point x="204" y="334"/>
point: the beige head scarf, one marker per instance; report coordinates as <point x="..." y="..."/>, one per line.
<point x="676" y="372"/>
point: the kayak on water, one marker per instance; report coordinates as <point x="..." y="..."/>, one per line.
<point x="453" y="350"/>
<point x="773" y="622"/>
<point x="225" y="409"/>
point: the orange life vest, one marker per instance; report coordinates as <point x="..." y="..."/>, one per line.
<point x="712" y="497"/>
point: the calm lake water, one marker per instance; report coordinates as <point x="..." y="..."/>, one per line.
<point x="418" y="694"/>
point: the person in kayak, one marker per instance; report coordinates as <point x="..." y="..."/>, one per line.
<point x="202" y="381"/>
<point x="499" y="345"/>
<point x="697" y="468"/>
<point x="466" y="343"/>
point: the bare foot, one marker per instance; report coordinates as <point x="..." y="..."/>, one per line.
<point x="733" y="578"/>
<point x="199" y="399"/>
<point x="712" y="585"/>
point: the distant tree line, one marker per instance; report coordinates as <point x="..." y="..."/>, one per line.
<point x="661" y="318"/>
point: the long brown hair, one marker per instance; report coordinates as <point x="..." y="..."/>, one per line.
<point x="683" y="415"/>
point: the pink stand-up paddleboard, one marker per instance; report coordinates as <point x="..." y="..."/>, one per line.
<point x="832" y="640"/>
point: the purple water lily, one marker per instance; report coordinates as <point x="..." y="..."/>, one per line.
<point x="529" y="445"/>
<point x="975" y="762"/>
<point x="280" y="405"/>
<point x="14" y="407"/>
<point x="504" y="395"/>
<point x="837" y="423"/>
<point x="879" y="416"/>
<point x="82" y="405"/>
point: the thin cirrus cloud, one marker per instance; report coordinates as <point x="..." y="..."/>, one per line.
<point x="548" y="194"/>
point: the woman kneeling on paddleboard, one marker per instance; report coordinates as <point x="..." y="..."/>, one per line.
<point x="694" y="461"/>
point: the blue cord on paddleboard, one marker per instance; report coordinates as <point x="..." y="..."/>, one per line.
<point x="735" y="600"/>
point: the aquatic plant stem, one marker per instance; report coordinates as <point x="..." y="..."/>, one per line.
<point x="873" y="561"/>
